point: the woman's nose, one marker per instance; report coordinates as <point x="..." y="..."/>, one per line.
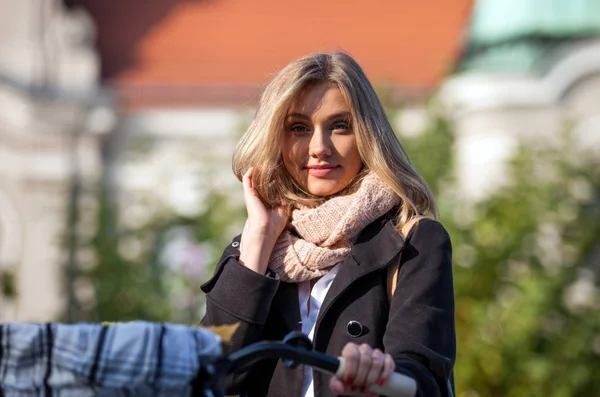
<point x="320" y="144"/>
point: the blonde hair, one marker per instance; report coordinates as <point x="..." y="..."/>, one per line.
<point x="377" y="144"/>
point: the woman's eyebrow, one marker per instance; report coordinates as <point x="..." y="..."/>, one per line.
<point x="298" y="116"/>
<point x="340" y="115"/>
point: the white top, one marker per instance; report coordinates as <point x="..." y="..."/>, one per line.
<point x="309" y="313"/>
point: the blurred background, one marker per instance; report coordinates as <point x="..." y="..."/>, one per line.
<point x="118" y="121"/>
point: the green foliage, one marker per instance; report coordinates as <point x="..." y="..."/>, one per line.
<point x="432" y="151"/>
<point x="143" y="284"/>
<point x="527" y="269"/>
<point x="125" y="289"/>
<point x="528" y="308"/>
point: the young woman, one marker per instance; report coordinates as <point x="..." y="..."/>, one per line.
<point x="333" y="204"/>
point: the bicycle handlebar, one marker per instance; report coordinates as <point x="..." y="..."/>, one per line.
<point x="398" y="385"/>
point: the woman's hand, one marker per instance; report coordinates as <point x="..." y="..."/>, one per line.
<point x="262" y="229"/>
<point x="364" y="367"/>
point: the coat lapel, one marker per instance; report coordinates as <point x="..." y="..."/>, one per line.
<point x="375" y="248"/>
<point x="288" y="306"/>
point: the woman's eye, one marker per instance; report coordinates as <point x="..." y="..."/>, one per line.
<point x="341" y="125"/>
<point x="299" y="128"/>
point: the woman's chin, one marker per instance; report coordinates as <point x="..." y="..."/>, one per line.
<point x="324" y="188"/>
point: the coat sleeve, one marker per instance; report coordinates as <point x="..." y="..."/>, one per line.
<point x="236" y="294"/>
<point x="420" y="334"/>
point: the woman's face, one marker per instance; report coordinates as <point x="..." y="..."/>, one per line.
<point x="318" y="143"/>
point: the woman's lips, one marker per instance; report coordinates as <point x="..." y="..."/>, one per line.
<point x="321" y="171"/>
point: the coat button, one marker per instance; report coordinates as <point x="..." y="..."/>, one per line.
<point x="354" y="329"/>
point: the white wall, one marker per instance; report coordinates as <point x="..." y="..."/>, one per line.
<point x="495" y="113"/>
<point x="40" y="45"/>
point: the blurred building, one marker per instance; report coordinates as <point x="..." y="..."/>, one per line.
<point x="530" y="69"/>
<point x="153" y="94"/>
<point x="52" y="115"/>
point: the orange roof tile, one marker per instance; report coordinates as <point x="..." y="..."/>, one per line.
<point x="200" y="43"/>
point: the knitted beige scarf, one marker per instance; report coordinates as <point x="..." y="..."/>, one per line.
<point x="323" y="235"/>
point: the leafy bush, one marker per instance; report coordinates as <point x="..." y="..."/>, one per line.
<point x="527" y="270"/>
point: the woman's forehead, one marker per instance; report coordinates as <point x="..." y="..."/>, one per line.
<point x="318" y="98"/>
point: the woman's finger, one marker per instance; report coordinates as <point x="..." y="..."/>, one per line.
<point x="377" y="366"/>
<point x="247" y="180"/>
<point x="253" y="202"/>
<point x="388" y="368"/>
<point x="351" y="356"/>
<point x="364" y="366"/>
<point x="337" y="386"/>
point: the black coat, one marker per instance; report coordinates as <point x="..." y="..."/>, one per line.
<point x="417" y="329"/>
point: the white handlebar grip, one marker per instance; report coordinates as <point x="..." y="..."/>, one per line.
<point x="397" y="385"/>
